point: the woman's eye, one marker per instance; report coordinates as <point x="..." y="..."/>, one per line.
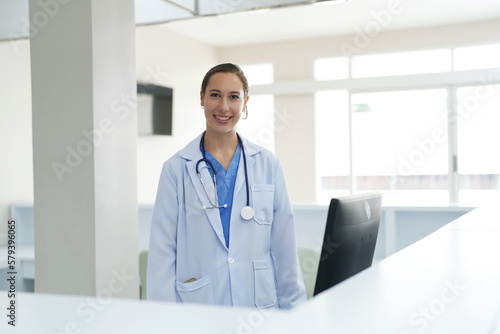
<point x="234" y="97"/>
<point x="214" y="95"/>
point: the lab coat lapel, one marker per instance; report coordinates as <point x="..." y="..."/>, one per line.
<point x="213" y="215"/>
<point x="240" y="176"/>
<point x="250" y="150"/>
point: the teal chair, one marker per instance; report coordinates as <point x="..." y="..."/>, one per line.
<point x="143" y="269"/>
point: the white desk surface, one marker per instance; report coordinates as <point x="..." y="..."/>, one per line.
<point x="446" y="283"/>
<point x="410" y="292"/>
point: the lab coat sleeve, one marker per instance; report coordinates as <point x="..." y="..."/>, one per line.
<point x="162" y="244"/>
<point x="289" y="281"/>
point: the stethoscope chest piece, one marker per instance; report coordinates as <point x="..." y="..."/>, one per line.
<point x="247" y="213"/>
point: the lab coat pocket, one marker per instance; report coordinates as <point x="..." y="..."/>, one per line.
<point x="263" y="203"/>
<point x="265" y="288"/>
<point x="199" y="291"/>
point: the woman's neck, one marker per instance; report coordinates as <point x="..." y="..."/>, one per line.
<point x="221" y="146"/>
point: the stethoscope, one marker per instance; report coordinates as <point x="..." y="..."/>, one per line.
<point x="247" y="212"/>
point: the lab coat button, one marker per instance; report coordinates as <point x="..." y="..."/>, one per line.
<point x="230" y="260"/>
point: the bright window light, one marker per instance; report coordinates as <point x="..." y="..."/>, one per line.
<point x="331" y="68"/>
<point x="476" y="57"/>
<point x="478" y="114"/>
<point x="400" y="145"/>
<point x="259" y="127"/>
<point x="331" y="117"/>
<point x="259" y="74"/>
<point x="400" y="133"/>
<point x="401" y="63"/>
<point x="332" y="132"/>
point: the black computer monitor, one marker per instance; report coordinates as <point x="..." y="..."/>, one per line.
<point x="350" y="237"/>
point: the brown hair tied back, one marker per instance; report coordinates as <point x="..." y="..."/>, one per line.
<point x="225" y="68"/>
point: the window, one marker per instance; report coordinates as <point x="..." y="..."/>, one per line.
<point x="332" y="144"/>
<point x="259" y="126"/>
<point x="401" y="63"/>
<point x="259" y="74"/>
<point x="476" y="57"/>
<point x="331" y="68"/>
<point x="418" y="141"/>
<point x="400" y="144"/>
<point x="478" y="117"/>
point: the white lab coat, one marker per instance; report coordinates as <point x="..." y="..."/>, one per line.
<point x="259" y="269"/>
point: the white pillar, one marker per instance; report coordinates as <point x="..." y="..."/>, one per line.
<point x="84" y="146"/>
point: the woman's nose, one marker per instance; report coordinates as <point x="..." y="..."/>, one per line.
<point x="224" y="105"/>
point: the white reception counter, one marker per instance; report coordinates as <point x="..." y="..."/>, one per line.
<point x="448" y="282"/>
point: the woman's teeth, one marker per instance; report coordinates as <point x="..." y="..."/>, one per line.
<point x="222" y="118"/>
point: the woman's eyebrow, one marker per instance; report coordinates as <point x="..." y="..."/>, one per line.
<point x="218" y="91"/>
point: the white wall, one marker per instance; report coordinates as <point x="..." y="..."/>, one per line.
<point x="16" y="166"/>
<point x="295" y="145"/>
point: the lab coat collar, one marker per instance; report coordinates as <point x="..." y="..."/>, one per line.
<point x="193" y="154"/>
<point x="192" y="150"/>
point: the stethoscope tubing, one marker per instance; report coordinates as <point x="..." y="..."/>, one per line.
<point x="204" y="159"/>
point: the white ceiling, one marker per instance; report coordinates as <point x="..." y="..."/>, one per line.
<point x="283" y="23"/>
<point x="14" y="14"/>
<point x="331" y="18"/>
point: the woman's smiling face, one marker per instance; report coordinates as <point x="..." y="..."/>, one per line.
<point x="223" y="100"/>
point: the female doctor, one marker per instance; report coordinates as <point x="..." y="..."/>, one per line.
<point x="223" y="230"/>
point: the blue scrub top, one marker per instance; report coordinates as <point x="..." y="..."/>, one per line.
<point x="225" y="187"/>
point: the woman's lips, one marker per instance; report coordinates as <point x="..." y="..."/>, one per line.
<point x="222" y="119"/>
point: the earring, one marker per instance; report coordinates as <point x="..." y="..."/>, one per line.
<point x="202" y="107"/>
<point x="246" y="113"/>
